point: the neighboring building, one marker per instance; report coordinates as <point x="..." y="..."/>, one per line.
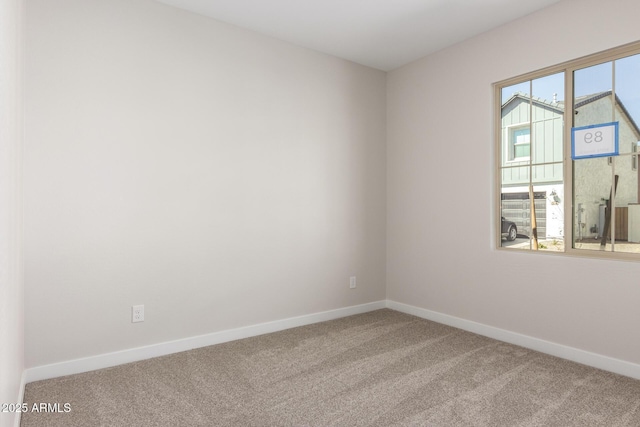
<point x="592" y="177"/>
<point x="546" y="128"/>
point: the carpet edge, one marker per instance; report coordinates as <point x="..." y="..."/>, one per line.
<point x="107" y="360"/>
<point x="594" y="360"/>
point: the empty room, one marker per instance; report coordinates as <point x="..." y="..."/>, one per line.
<point x="320" y="213"/>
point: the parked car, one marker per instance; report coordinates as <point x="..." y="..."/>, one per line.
<point x="509" y="229"/>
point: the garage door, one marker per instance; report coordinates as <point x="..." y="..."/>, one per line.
<point x="516" y="207"/>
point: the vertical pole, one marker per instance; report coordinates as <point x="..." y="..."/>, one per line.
<point x="532" y="211"/>
<point x="607" y="215"/>
<point x="612" y="198"/>
<point x="534" y="226"/>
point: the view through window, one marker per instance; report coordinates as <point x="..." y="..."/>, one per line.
<point x="608" y="92"/>
<point x="540" y="135"/>
<point x="532" y="184"/>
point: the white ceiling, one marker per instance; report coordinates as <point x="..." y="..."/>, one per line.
<point x="383" y="34"/>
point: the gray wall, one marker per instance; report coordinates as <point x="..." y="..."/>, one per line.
<point x="11" y="140"/>
<point x="218" y="177"/>
<point x="587" y="304"/>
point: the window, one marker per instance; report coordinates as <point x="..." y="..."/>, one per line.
<point x="531" y="173"/>
<point x="551" y="199"/>
<point x="520" y="138"/>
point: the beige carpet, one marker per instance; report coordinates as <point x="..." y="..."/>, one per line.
<point x="382" y="368"/>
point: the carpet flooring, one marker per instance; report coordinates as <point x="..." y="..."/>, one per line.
<point x="382" y="368"/>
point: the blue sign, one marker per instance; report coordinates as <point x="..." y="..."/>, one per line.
<point x="594" y="141"/>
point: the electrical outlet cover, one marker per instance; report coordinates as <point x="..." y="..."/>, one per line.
<point x="137" y="313"/>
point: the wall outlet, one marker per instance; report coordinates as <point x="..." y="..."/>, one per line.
<point x="352" y="282"/>
<point x="137" y="313"/>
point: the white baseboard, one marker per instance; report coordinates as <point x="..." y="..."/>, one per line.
<point x="135" y="354"/>
<point x="576" y="355"/>
<point x="162" y="349"/>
